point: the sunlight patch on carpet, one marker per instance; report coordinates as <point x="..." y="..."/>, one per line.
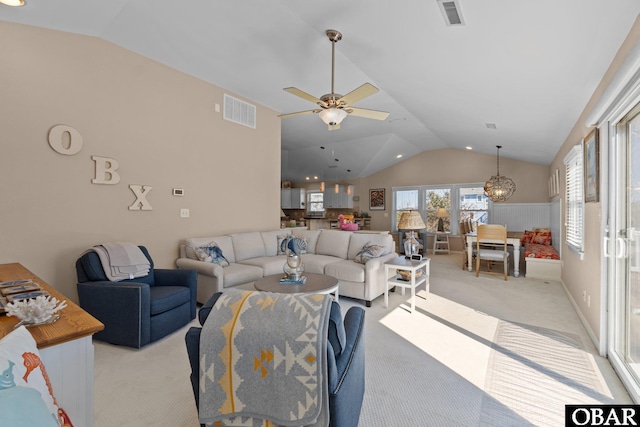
<point x="533" y="372"/>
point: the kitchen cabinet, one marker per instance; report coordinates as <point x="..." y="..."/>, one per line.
<point x="285" y="198"/>
<point x="293" y="198"/>
<point x="341" y="199"/>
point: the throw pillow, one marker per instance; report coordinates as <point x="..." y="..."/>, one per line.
<point x="283" y="241"/>
<point x="369" y="251"/>
<point x="291" y="244"/>
<point x="526" y="237"/>
<point x="541" y="237"/>
<point x="297" y="245"/>
<point x="21" y="368"/>
<point x="212" y="253"/>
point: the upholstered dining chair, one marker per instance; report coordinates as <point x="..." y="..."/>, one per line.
<point x="496" y="235"/>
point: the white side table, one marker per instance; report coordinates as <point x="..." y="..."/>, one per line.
<point x="394" y="279"/>
<point x="441" y="242"/>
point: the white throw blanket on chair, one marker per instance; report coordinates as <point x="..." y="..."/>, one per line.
<point x="122" y="260"/>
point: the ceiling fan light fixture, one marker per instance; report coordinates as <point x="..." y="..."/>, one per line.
<point x="13" y="3"/>
<point x="332" y="116"/>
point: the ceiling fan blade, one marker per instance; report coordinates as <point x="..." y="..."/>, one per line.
<point x="368" y="114"/>
<point x="356" y="95"/>
<point x="304" y="95"/>
<point x="299" y="113"/>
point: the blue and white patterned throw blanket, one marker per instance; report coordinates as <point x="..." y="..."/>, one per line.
<point x="263" y="360"/>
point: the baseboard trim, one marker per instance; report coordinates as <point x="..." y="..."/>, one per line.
<point x="583" y="320"/>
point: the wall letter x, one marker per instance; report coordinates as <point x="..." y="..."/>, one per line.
<point x="141" y="203"/>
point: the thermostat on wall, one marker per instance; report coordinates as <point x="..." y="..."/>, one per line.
<point x="178" y="192"/>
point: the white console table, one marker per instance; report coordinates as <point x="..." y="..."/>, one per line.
<point x="66" y="349"/>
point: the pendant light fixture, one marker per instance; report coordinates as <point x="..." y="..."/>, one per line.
<point x="499" y="188"/>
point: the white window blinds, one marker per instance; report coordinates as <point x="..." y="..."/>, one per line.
<point x="574" y="225"/>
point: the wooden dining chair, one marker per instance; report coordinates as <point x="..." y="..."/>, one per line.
<point x="465" y="228"/>
<point x="496" y="235"/>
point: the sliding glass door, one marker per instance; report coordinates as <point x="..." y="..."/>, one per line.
<point x="624" y="250"/>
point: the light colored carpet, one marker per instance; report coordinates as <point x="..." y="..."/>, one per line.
<point x="470" y="342"/>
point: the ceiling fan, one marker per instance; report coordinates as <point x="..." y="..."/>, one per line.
<point x="333" y="106"/>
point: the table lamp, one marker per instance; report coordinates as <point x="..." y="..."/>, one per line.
<point x="440" y="214"/>
<point x="411" y="220"/>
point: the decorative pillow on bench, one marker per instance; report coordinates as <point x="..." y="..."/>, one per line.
<point x="539" y="236"/>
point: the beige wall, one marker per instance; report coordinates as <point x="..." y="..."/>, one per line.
<point x="584" y="275"/>
<point x="451" y="166"/>
<point x="158" y="123"/>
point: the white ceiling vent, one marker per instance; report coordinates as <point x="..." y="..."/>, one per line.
<point x="451" y="12"/>
<point x="238" y="111"/>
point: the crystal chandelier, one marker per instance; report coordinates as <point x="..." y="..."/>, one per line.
<point x="499" y="188"/>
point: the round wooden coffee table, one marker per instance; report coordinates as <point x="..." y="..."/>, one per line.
<point x="315" y="284"/>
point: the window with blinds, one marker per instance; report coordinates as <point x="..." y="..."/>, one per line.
<point x="574" y="225"/>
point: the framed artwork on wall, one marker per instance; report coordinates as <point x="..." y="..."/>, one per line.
<point x="591" y="167"/>
<point x="376" y="199"/>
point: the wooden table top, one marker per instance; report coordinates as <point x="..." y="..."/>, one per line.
<point x="315" y="283"/>
<point x="74" y="322"/>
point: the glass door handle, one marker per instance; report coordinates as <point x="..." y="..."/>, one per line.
<point x="605" y="247"/>
<point x="621" y="247"/>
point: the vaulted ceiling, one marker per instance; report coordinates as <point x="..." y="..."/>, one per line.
<point x="528" y="67"/>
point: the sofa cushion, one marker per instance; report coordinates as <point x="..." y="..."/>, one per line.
<point x="358" y="240"/>
<point x="311" y="236"/>
<point x="224" y="243"/>
<point x="334" y="243"/>
<point x="369" y="251"/>
<point x="317" y="263"/>
<point x="211" y="253"/>
<point x="269" y="264"/>
<point x="346" y="270"/>
<point x="270" y="240"/>
<point x="239" y="274"/>
<point x="248" y="245"/>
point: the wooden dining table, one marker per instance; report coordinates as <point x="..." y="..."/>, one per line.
<point x="513" y="239"/>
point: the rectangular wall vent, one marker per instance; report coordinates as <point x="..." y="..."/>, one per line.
<point x="451" y="12"/>
<point x="238" y="111"/>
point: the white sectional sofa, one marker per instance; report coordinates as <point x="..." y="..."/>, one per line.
<point x="253" y="255"/>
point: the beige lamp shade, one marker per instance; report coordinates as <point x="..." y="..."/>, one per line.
<point x="411" y="220"/>
<point x="442" y="213"/>
<point x="282" y="214"/>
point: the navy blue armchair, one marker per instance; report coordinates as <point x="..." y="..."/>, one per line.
<point x="138" y="311"/>
<point x="345" y="361"/>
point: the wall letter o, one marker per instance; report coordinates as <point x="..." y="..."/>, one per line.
<point x="56" y="136"/>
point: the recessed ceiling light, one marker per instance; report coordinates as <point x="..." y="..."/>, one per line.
<point x="307" y="178"/>
<point x="491" y="126"/>
<point x="468" y="147"/>
<point x="315" y="177"/>
<point x="398" y="156"/>
<point x="14" y="3"/>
